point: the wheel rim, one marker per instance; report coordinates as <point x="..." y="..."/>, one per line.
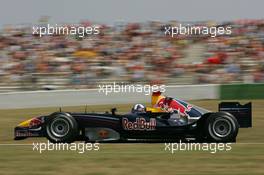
<point x="59" y="127"/>
<point x="222" y="127"/>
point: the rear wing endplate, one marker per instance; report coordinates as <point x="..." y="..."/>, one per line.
<point x="243" y="113"/>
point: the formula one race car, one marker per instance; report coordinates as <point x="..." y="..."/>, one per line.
<point x="185" y="121"/>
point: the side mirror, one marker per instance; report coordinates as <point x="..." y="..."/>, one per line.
<point x="113" y="110"/>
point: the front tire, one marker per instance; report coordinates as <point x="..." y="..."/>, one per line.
<point x="221" y="127"/>
<point x="61" y="128"/>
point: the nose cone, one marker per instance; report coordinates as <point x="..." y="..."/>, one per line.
<point x="30" y="123"/>
<point x="25" y="123"/>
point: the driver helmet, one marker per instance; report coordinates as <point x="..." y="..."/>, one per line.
<point x="138" y="108"/>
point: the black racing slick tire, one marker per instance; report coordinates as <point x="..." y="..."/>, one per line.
<point x="61" y="128"/>
<point x="221" y="127"/>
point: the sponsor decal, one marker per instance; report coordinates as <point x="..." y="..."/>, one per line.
<point x="35" y="122"/>
<point x="174" y="105"/>
<point x="140" y="124"/>
<point x="26" y="134"/>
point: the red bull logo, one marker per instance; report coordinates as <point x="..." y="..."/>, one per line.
<point x="174" y="105"/>
<point x="140" y="124"/>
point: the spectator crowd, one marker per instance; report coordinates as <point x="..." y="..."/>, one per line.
<point x="132" y="53"/>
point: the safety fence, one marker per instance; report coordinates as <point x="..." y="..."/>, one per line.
<point x="56" y="98"/>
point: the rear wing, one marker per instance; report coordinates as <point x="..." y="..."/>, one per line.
<point x="243" y="113"/>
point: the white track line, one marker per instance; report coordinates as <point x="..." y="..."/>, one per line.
<point x="15" y="144"/>
<point x="30" y="144"/>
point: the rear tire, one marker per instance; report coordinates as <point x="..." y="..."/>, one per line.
<point x="61" y="128"/>
<point x="221" y="127"/>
